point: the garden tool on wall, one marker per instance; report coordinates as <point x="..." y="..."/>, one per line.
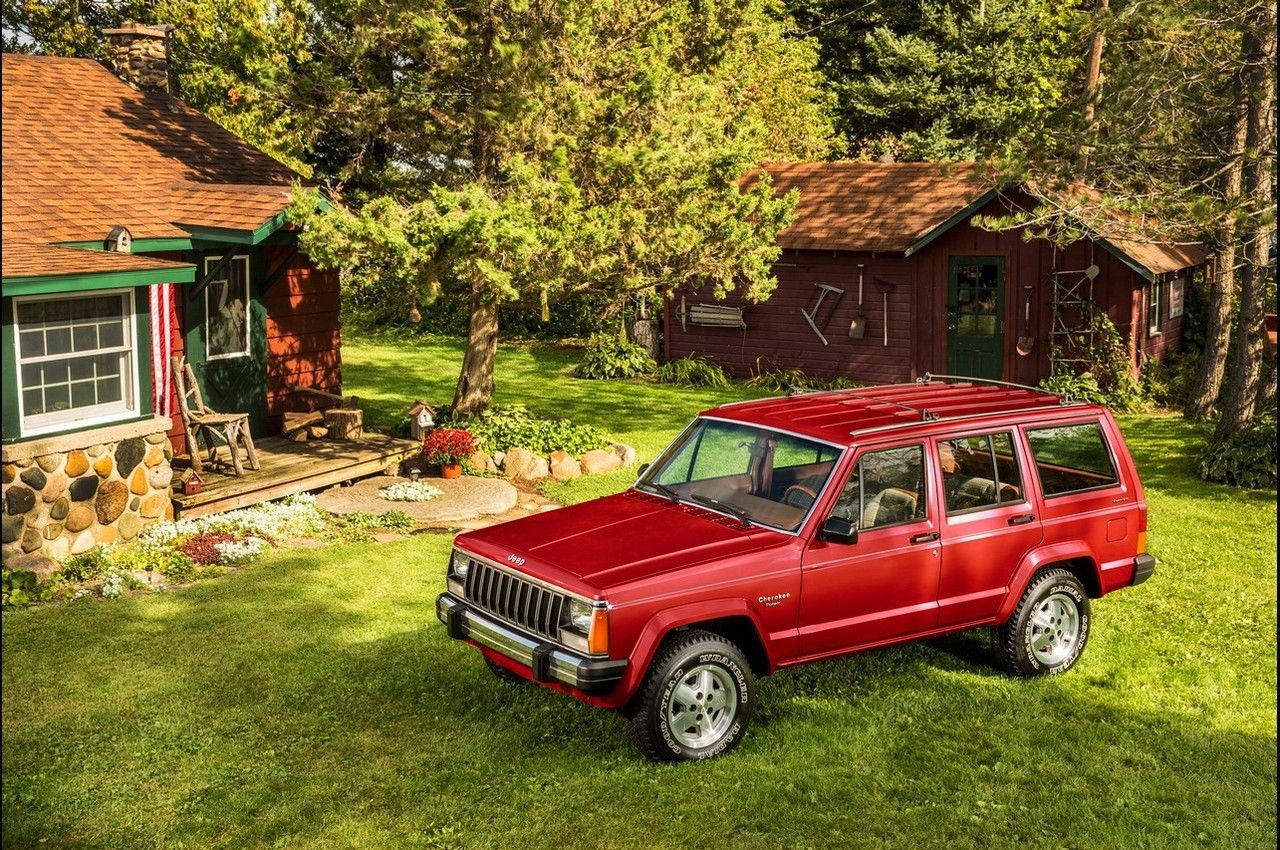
<point x="823" y="289"/>
<point x="885" y="289"/>
<point x="858" y="326"/>
<point x="1026" y="342"/>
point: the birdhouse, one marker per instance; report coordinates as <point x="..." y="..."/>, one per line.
<point x="191" y="483"/>
<point x="119" y="240"/>
<point x="421" y="419"/>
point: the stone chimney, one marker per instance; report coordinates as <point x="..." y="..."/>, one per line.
<point x="139" y="55"/>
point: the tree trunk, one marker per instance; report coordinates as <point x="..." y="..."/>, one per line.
<point x="1217" y="343"/>
<point x="1092" y="74"/>
<point x="475" y="383"/>
<point x="1259" y="54"/>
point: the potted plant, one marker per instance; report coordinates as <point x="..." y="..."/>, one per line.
<point x="447" y="448"/>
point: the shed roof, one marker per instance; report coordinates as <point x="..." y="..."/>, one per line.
<point x="902" y="206"/>
<point x="84" y="152"/>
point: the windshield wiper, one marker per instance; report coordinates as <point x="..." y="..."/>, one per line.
<point x="664" y="490"/>
<point x="741" y="513"/>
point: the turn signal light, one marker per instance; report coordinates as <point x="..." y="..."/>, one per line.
<point x="598" y="637"/>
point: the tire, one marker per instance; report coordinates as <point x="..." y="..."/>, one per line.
<point x="502" y="674"/>
<point x="696" y="700"/>
<point x="1048" y="630"/>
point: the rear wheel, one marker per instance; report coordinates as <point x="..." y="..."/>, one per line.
<point x="696" y="700"/>
<point x="1049" y="629"/>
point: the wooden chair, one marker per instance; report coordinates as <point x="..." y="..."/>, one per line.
<point x="197" y="419"/>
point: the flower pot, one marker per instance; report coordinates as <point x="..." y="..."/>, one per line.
<point x="450" y="470"/>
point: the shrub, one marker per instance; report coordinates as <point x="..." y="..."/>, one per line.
<point x="507" y="426"/>
<point x="693" y="372"/>
<point x="88" y="566"/>
<point x="1169" y="383"/>
<point x="1247" y="459"/>
<point x="608" y="357"/>
<point x="785" y="381"/>
<point x="23" y="587"/>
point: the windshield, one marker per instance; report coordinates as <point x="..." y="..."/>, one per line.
<point x="760" y="476"/>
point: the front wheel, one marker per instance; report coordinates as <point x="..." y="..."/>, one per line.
<point x="1049" y="628"/>
<point x="696" y="700"/>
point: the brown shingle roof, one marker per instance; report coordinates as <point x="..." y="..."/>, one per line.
<point x="84" y="152"/>
<point x="25" y="259"/>
<point x="872" y="206"/>
<point x="878" y="206"/>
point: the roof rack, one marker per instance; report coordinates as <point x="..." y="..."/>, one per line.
<point x="928" y="377"/>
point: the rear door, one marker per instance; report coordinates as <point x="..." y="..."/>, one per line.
<point x="885" y="585"/>
<point x="989" y="524"/>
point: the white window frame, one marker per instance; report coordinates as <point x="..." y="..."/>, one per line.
<point x="82" y="417"/>
<point x="209" y="293"/>
<point x="1155" y="305"/>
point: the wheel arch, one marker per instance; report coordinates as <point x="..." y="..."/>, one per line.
<point x="1074" y="558"/>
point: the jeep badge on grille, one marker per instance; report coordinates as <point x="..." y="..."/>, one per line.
<point x="515" y="559"/>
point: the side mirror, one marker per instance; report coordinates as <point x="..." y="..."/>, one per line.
<point x="837" y="530"/>
<point x="644" y="467"/>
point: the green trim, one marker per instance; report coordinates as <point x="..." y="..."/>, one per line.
<point x="86" y="282"/>
<point x="236" y="236"/>
<point x="951" y="222"/>
<point x="1144" y="273"/>
<point x="140" y="246"/>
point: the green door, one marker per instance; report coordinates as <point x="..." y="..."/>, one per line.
<point x="975" y="317"/>
<point x="226" y="339"/>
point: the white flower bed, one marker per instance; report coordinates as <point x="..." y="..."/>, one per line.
<point x="410" y="491"/>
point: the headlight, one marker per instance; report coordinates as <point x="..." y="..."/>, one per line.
<point x="456" y="579"/>
<point x="585" y="627"/>
<point x="459" y="563"/>
<point x="579" y="616"/>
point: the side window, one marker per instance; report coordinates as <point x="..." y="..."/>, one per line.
<point x="1071" y="458"/>
<point x="226" y="302"/>
<point x="979" y="471"/>
<point x="885" y="488"/>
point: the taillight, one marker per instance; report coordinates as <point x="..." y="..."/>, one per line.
<point x="1142" y="530"/>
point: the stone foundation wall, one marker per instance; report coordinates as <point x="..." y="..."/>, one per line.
<point x="64" y="501"/>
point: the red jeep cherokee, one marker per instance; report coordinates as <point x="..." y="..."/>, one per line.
<point x="778" y="532"/>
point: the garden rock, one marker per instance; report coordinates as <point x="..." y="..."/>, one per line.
<point x="42" y="565"/>
<point x="55" y="487"/>
<point x="130" y="525"/>
<point x="34" y="477"/>
<point x="599" y="460"/>
<point x="625" y="453"/>
<point x="564" y="467"/>
<point x="49" y="463"/>
<point x="103" y="466"/>
<point x="12" y="528"/>
<point x="84" y="489"/>
<point x="524" y="464"/>
<point x="481" y="462"/>
<point x="10" y="472"/>
<point x="83" y="543"/>
<point x="60" y="508"/>
<point x="77" y="463"/>
<point x="31" y="540"/>
<point x="129" y="454"/>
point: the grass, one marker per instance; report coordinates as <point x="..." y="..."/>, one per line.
<point x="313" y="701"/>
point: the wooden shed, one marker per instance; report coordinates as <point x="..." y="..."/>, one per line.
<point x="884" y="276"/>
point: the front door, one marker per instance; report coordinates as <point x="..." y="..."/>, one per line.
<point x="225" y="341"/>
<point x="975" y="317"/>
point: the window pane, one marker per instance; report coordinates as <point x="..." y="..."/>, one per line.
<point x="111" y="335"/>
<point x="83" y="368"/>
<point x="57" y="397"/>
<point x="110" y="389"/>
<point x="58" y="341"/>
<point x="31" y="343"/>
<point x="1071" y="458"/>
<point x="83" y="394"/>
<point x="84" y="337"/>
<point x="56" y="372"/>
<point x="1008" y="473"/>
<point x="32" y="402"/>
<point x="885" y="488"/>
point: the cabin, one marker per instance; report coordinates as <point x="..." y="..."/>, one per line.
<point x="135" y="230"/>
<point x="885" y="275"/>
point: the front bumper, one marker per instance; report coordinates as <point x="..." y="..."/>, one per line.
<point x="549" y="663"/>
<point x="1143" y="566"/>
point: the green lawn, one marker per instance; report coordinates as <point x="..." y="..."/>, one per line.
<point x="312" y="700"/>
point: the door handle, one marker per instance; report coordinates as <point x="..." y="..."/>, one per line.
<point x="1022" y="520"/>
<point x="926" y="538"/>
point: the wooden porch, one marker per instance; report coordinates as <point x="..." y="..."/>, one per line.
<point x="288" y="468"/>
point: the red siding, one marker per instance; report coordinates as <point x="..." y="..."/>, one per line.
<point x="777" y="335"/>
<point x="303" y="339"/>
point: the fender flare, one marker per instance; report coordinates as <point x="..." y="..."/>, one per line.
<point x="1033" y="561"/>
<point x="663" y="622"/>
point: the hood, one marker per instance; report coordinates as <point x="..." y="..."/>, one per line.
<point x="618" y="539"/>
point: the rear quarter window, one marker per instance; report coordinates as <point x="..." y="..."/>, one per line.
<point x="1071" y="458"/>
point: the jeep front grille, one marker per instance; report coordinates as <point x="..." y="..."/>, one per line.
<point x="516" y="600"/>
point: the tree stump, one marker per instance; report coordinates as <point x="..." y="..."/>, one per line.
<point x="344" y="424"/>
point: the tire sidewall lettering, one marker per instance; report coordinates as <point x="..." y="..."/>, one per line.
<point x="673" y="681"/>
